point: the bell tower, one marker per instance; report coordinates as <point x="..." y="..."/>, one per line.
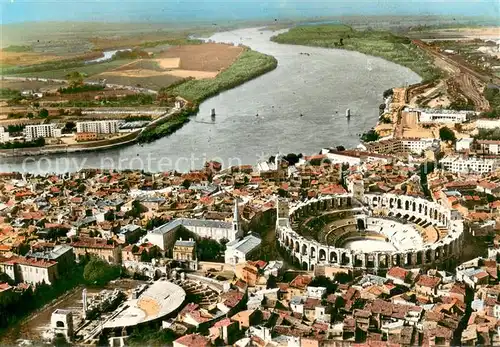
<point x="237" y="230"/>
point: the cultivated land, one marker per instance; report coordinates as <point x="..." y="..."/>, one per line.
<point x="201" y="61"/>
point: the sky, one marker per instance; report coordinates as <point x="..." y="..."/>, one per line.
<point x="18" y="11"/>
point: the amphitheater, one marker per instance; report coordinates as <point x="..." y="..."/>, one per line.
<point x="371" y="231"/>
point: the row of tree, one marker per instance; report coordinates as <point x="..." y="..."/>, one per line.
<point x="40" y="142"/>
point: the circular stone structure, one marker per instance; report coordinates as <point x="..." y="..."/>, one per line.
<point x="371" y="231"/>
<point x="159" y="300"/>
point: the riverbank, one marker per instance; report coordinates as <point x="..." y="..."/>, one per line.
<point x="383" y="44"/>
<point x="66" y="149"/>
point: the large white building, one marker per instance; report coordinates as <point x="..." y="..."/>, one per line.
<point x="440" y="116"/>
<point x="98" y="127"/>
<point x="352" y="157"/>
<point x="488" y="123"/>
<point x="31" y="271"/>
<point x="418" y="145"/>
<point x="33" y="132"/>
<point x="4" y="135"/>
<point x="464" y="144"/>
<point x="464" y="164"/>
<point x="237" y="250"/>
<point x="214" y="229"/>
<point x="394" y="146"/>
<point x="488" y="147"/>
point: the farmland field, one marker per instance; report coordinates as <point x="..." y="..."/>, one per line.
<point x="153" y="82"/>
<point x="20" y="85"/>
<point x="89" y="70"/>
<point x="204" y="57"/>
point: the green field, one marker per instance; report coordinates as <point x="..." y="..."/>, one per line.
<point x="89" y="70"/>
<point x="382" y="44"/>
<point x="249" y="65"/>
<point x="18" y="49"/>
<point x="153" y="82"/>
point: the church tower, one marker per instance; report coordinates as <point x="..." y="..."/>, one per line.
<point x="237" y="230"/>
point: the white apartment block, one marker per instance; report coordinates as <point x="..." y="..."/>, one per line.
<point x="491" y="147"/>
<point x="412" y="145"/>
<point x="488" y="123"/>
<point x="463" y="164"/>
<point x="463" y="144"/>
<point x="440" y="116"/>
<point x="4" y="135"/>
<point x="99" y="127"/>
<point x="33" y="132"/>
<point x="418" y="145"/>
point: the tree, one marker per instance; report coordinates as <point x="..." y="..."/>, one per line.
<point x="292" y="158"/>
<point x="186" y="184"/>
<point x="272" y="282"/>
<point x="370" y="136"/>
<point x="210" y="250"/>
<point x="323" y="281"/>
<point x="136" y="209"/>
<point x="282" y="193"/>
<point x="44" y="113"/>
<point x="145" y="256"/>
<point x="446" y="134"/>
<point x="30" y="115"/>
<point x="342" y="277"/>
<point x="99" y="272"/>
<point x="75" y="79"/>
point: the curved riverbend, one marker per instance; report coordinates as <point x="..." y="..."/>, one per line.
<point x="317" y="86"/>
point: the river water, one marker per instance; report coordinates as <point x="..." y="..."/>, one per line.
<point x="107" y="55"/>
<point x="319" y="86"/>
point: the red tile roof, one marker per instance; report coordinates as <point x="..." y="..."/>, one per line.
<point x="397" y="272"/>
<point x="93" y="243"/>
<point x="193" y="340"/>
<point x="428" y="281"/>
<point x="301" y="281"/>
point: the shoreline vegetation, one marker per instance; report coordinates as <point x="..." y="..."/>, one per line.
<point x="168" y="126"/>
<point x="378" y="43"/>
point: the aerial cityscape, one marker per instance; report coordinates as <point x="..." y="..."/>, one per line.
<point x="257" y="173"/>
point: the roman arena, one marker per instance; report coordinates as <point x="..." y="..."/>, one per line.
<point x="372" y="231"/>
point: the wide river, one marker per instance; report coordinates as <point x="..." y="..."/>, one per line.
<point x="319" y="85"/>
